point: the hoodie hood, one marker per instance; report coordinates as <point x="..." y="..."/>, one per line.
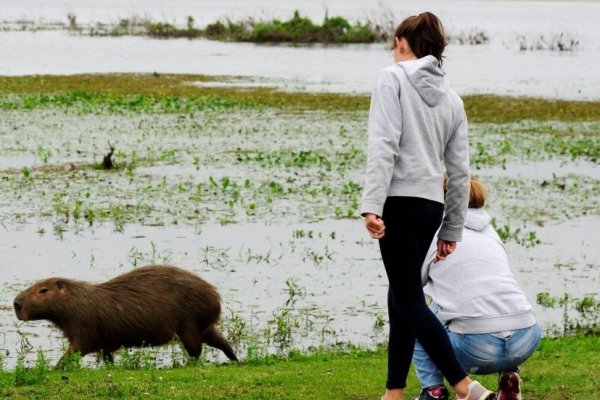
<point x="427" y="78"/>
<point x="477" y="219"/>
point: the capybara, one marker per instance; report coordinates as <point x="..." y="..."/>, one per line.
<point x="144" y="307"/>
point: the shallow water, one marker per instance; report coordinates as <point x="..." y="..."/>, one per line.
<point x="497" y="67"/>
<point x="545" y="169"/>
<point x="343" y="294"/>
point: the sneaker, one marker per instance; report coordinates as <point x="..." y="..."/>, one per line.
<point x="509" y="386"/>
<point x="478" y="392"/>
<point x="434" y="393"/>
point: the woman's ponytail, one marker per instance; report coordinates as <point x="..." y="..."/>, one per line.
<point x="424" y="34"/>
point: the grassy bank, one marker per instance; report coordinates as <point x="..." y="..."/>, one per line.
<point x="561" y="369"/>
<point x="181" y="93"/>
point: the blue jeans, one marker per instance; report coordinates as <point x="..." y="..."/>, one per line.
<point x="480" y="353"/>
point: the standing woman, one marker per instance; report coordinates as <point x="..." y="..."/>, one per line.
<point x="417" y="131"/>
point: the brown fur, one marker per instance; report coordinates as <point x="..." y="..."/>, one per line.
<point x="146" y="306"/>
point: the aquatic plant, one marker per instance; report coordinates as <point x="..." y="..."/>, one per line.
<point x="474" y="36"/>
<point x="580" y="315"/>
<point x="552" y="42"/>
<point x="258" y="257"/>
<point x="216" y="258"/>
<point x="506" y="233"/>
<point x="235" y="328"/>
<point x="137" y="257"/>
<point x="318" y="257"/>
<point x="293" y="290"/>
<point x="284" y="322"/>
<point x="44" y="154"/>
<point x="380" y="322"/>
<point x="73" y="26"/>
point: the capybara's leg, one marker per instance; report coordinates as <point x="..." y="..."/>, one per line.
<point x="107" y="356"/>
<point x="214" y="338"/>
<point x="191" y="337"/>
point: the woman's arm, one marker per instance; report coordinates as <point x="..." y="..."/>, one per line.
<point x="385" y="129"/>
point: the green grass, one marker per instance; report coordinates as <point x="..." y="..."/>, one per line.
<point x="561" y="369"/>
<point x="503" y="109"/>
<point x="176" y="93"/>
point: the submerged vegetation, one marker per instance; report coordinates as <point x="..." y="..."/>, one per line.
<point x="471" y="37"/>
<point x="579" y="315"/>
<point x="553" y="42"/>
<point x="151" y="120"/>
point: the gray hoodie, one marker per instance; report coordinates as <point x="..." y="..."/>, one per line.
<point x="474" y="288"/>
<point x="417" y="128"/>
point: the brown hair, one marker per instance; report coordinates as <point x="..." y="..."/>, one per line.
<point x="477" y="193"/>
<point x="424" y="34"/>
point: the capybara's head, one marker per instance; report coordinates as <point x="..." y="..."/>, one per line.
<point x="42" y="300"/>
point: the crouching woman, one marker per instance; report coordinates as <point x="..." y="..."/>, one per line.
<point x="486" y="314"/>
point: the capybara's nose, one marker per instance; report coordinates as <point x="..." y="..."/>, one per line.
<point x="17" y="304"/>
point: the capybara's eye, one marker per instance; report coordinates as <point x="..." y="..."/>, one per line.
<point x="43" y="290"/>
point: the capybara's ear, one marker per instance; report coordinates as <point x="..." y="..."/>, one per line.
<point x="60" y="284"/>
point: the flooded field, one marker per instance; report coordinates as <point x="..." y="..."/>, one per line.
<point x="263" y="203"/>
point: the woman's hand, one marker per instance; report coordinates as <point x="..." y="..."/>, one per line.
<point x="375" y="226"/>
<point x="444" y="249"/>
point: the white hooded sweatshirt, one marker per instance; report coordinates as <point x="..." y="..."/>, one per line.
<point x="417" y="129"/>
<point x="474" y="287"/>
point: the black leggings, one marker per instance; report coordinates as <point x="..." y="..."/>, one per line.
<point x="410" y="224"/>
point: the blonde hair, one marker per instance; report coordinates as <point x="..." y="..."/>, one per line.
<point x="477" y="193"/>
